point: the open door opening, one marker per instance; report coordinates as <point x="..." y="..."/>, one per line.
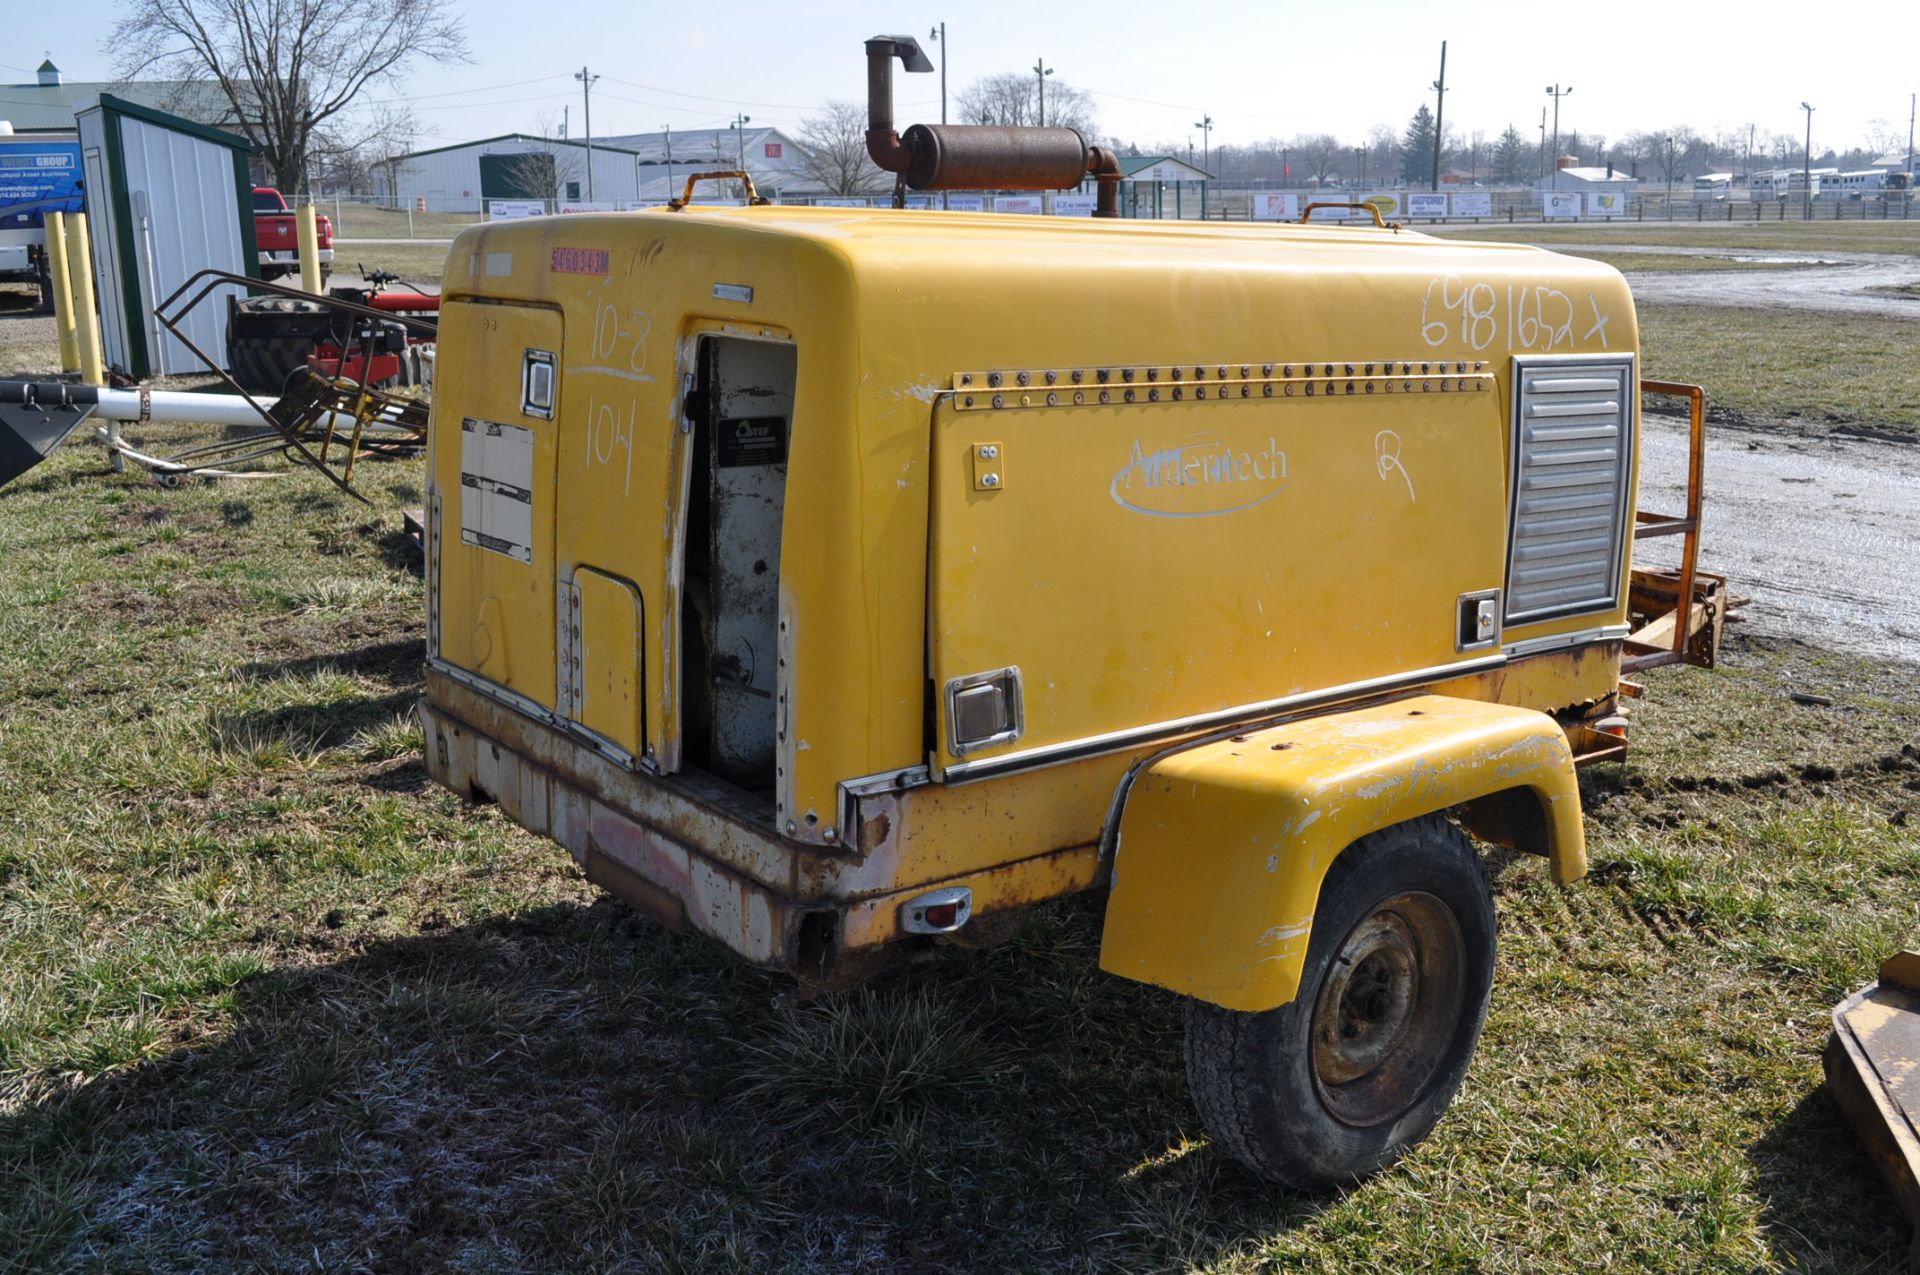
<point x="736" y="503"/>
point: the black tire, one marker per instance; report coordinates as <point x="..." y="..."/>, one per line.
<point x="263" y="365"/>
<point x="1363" y="1062"/>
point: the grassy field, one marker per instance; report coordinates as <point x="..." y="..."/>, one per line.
<point x="1814" y="370"/>
<point x="269" y="1000"/>
<point x="1765" y="236"/>
<point x="365" y="221"/>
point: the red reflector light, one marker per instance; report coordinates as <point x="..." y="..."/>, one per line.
<point x="942" y="916"/>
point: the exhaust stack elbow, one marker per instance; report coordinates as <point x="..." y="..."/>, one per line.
<point x="884" y="146"/>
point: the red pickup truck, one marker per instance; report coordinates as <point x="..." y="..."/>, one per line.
<point x="276" y="231"/>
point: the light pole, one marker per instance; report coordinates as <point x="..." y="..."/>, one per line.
<point x="1806" y="169"/>
<point x="939" y="33"/>
<point x="1205" y="125"/>
<point x="586" y="95"/>
<point x="1439" y="87"/>
<point x="739" y="127"/>
<point x="1556" y="93"/>
<point x="669" y="131"/>
<point x="1360" y="153"/>
<point x="1040" y="72"/>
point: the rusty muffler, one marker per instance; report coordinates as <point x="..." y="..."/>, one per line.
<point x="976" y="156"/>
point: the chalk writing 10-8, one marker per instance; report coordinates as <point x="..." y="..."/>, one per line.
<point x="1479" y="315"/>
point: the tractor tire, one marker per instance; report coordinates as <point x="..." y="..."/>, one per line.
<point x="261" y="361"/>
<point x="1363" y="1062"/>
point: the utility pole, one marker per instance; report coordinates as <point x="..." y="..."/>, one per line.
<point x="1439" y="87"/>
<point x="669" y="131"/>
<point x="1040" y="72"/>
<point x="1556" y="93"/>
<point x="739" y="126"/>
<point x="1806" y="169"/>
<point x="565" y="108"/>
<point x="586" y="96"/>
<point x="1749" y="162"/>
<point x="1543" y="141"/>
<point x="1205" y="125"/>
<point x="1360" y="153"/>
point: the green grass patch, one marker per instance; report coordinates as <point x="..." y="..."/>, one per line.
<point x="1821" y="369"/>
<point x="1899" y="237"/>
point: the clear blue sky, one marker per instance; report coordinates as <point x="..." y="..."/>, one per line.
<point x="1260" y="69"/>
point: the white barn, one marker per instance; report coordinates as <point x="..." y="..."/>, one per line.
<point x="518" y="166"/>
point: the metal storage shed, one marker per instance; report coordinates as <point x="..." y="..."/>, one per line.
<point x="167" y="198"/>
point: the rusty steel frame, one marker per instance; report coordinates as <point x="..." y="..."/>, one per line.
<point x="1648" y="525"/>
<point x="206" y="281"/>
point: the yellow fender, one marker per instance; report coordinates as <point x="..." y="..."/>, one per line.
<point x="1221" y="848"/>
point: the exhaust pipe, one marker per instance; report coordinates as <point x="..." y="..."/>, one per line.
<point x="976" y="156"/>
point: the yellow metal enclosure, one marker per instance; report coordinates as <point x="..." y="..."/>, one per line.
<point x="786" y="563"/>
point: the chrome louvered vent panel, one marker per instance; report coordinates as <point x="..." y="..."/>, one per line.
<point x="1572" y="453"/>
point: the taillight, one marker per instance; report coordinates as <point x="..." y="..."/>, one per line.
<point x="937" y="911"/>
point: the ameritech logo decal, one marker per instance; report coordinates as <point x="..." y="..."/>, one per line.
<point x="1203" y="478"/>
<point x="578" y="261"/>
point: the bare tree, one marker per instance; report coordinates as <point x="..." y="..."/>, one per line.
<point x="1013" y="99"/>
<point x="288" y="68"/>
<point x="833" y="147"/>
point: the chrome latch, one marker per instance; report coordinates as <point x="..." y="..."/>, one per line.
<point x="1478" y="623"/>
<point x="983" y="709"/>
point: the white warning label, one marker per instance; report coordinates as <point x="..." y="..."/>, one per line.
<point x="496" y="488"/>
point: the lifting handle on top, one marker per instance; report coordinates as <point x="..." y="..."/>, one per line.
<point x="732" y="174"/>
<point x="1307" y="214"/>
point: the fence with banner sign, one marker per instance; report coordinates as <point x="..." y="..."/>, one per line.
<point x="1390" y="203"/>
<point x="966" y="203"/>
<point x="1426" y="204"/>
<point x="837" y="202"/>
<point x="1608" y="205"/>
<point x="1073" y="205"/>
<point x="1274" y="205"/>
<point x="1554" y="203"/>
<point x="1016" y="203"/>
<point x="598" y="205"/>
<point x="513" y="209"/>
<point x="1472" y="203"/>
<point x="639" y="205"/>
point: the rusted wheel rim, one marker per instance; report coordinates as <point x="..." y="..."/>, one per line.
<point x="1388" y="1009"/>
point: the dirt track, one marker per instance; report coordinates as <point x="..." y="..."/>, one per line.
<point x="1821" y="533"/>
<point x="1833" y="282"/>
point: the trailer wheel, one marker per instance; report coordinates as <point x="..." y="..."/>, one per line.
<point x="1363" y="1062"/>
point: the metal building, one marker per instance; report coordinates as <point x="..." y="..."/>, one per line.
<point x="517" y="166"/>
<point x="167" y="198"/>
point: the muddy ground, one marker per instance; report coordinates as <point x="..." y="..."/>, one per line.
<point x="1820" y="282"/>
<point x="1820" y="532"/>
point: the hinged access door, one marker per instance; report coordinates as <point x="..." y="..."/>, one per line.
<point x="493" y="470"/>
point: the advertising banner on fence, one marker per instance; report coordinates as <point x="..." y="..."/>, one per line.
<point x="513" y="209"/>
<point x="1073" y="205"/>
<point x="1560" y="203"/>
<point x="1273" y="205"/>
<point x="598" y="205"/>
<point x="1426" y="203"/>
<point x="966" y="203"/>
<point x="1472" y="204"/>
<point x="1389" y="203"/>
<point x="635" y="205"/>
<point x="1333" y="208"/>
<point x="1611" y="205"/>
<point x="838" y="202"/>
<point x="1016" y="203"/>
